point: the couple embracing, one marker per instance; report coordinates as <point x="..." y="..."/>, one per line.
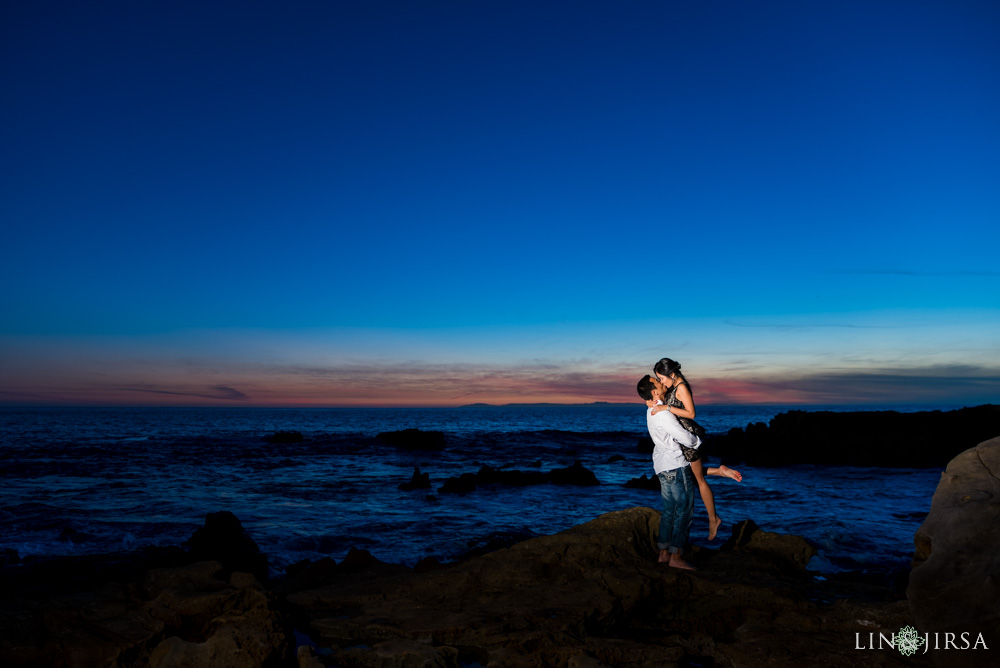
<point x="677" y="462"/>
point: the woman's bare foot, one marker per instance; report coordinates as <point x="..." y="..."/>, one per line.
<point x="664" y="556"/>
<point x="677" y="562"/>
<point x="713" y="526"/>
<point x="730" y="473"/>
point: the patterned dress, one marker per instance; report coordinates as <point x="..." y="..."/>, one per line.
<point x="689" y="424"/>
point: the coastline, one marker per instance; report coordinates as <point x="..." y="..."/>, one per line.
<point x="590" y="591"/>
<point x="591" y="595"/>
<point x="93" y="490"/>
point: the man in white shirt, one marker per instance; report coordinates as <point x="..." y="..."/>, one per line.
<point x="677" y="483"/>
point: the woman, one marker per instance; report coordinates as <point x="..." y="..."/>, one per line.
<point x="679" y="401"/>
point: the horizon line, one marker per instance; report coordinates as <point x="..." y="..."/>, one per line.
<point x="5" y="405"/>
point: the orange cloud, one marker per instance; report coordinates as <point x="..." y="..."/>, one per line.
<point x="420" y="384"/>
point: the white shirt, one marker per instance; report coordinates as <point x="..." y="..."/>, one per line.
<point x="668" y="435"/>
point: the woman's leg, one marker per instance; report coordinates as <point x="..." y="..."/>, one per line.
<point x="698" y="469"/>
<point x="725" y="471"/>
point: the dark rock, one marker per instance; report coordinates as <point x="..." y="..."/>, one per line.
<point x="358" y="565"/>
<point x="645" y="482"/>
<point x="413" y="439"/>
<point x="418" y="481"/>
<point x="497" y="540"/>
<point x="880" y="577"/>
<point x="573" y="475"/>
<point x="576" y="474"/>
<point x="300" y="568"/>
<point x="488" y="475"/>
<point x="223" y="539"/>
<point x="742" y="532"/>
<point x="616" y="458"/>
<point x="874" y="438"/>
<point x="595" y="595"/>
<point x="232" y="625"/>
<point x="128" y="615"/>
<point x="285" y="437"/>
<point x="402" y="653"/>
<point x="460" y="485"/>
<point x="954" y="586"/>
<point x="358" y="559"/>
<point x="777" y="551"/>
<point x="53" y="576"/>
<point x="9" y="557"/>
<point x="428" y="564"/>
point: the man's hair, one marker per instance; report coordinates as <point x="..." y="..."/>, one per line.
<point x="645" y="388"/>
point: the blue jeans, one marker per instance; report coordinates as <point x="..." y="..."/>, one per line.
<point x="677" y="487"/>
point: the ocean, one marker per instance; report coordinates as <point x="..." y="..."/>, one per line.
<point x="81" y="481"/>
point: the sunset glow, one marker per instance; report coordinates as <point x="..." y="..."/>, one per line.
<point x="379" y="204"/>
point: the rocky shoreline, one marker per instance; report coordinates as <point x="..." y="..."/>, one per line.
<point x="592" y="595"/>
<point x="928" y="439"/>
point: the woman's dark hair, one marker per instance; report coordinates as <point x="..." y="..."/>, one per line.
<point x="668" y="367"/>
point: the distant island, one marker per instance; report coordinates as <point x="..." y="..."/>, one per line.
<point x="544" y="404"/>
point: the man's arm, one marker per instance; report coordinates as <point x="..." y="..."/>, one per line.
<point x="670" y="429"/>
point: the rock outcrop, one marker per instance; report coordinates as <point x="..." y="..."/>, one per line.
<point x="418" y="481"/>
<point x="413" y="439"/>
<point x="955" y="582"/>
<point x="156" y="608"/>
<point x="594" y="595"/>
<point x="576" y="474"/>
<point x="223" y="539"/>
<point x="863" y="438"/>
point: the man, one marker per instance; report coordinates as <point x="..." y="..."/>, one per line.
<point x="677" y="483"/>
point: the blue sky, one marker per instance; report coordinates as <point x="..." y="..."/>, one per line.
<point x="334" y="203"/>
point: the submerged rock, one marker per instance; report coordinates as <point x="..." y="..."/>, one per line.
<point x="413" y="439"/>
<point x="285" y="437"/>
<point x="488" y="475"/>
<point x="460" y="485"/>
<point x="644" y="482"/>
<point x="576" y="474"/>
<point x="955" y="582"/>
<point x="418" y="481"/>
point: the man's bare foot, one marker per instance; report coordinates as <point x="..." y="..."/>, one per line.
<point x="713" y="526"/>
<point x="664" y="556"/>
<point x="677" y="562"/>
<point x="730" y="473"/>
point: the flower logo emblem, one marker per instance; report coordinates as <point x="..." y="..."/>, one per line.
<point x="908" y="640"/>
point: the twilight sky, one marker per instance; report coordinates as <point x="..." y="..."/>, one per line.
<point x="437" y="203"/>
